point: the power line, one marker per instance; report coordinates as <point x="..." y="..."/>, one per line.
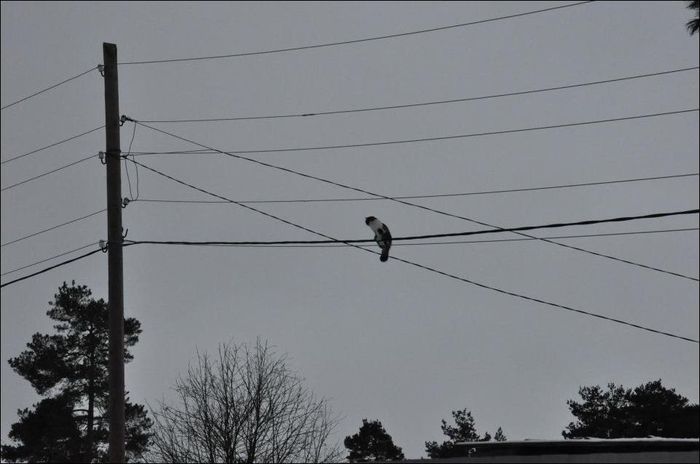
<point x="427" y="139"/>
<point x="126" y="168"/>
<point x="458" y="242"/>
<point x="272" y="216"/>
<point x="619" y="321"/>
<point x="459" y="234"/>
<point x="49" y="88"/>
<point x="445" y="235"/>
<point x="626" y="261"/>
<point x="49" y="259"/>
<point x="347" y="42"/>
<point x="171" y="152"/>
<point x="52" y="145"/>
<point x="367" y="192"/>
<point x="49" y="268"/>
<point x="440" y="195"/>
<point x="54" y="227"/>
<point x="413" y="105"/>
<point x="527" y="237"/>
<point x="47" y="173"/>
<point x="537" y="300"/>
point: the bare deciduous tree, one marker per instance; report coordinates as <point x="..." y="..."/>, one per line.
<point x="244" y="406"/>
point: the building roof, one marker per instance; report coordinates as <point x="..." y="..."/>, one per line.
<point x="576" y="446"/>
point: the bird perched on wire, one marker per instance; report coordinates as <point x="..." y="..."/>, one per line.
<point x="381" y="235"/>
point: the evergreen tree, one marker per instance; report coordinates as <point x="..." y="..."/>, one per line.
<point x="500" y="436"/>
<point x="694" y="24"/>
<point x="48" y="433"/>
<point x="648" y="410"/>
<point x="69" y="368"/>
<point x="463" y="431"/>
<point x="372" y="443"/>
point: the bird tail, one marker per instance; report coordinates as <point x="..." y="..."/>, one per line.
<point x="385" y="254"/>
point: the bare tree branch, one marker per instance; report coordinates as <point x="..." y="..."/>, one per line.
<point x="245" y="406"/>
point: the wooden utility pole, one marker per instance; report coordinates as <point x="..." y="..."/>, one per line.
<point x="117" y="430"/>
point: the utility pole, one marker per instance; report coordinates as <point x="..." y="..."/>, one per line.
<point x="117" y="429"/>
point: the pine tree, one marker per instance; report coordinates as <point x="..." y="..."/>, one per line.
<point x="500" y="436"/>
<point x="694" y="24"/>
<point x="48" y="433"/>
<point x="649" y="409"/>
<point x="69" y="368"/>
<point x="372" y="443"/>
<point x="464" y="431"/>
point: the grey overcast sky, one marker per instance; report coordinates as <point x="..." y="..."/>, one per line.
<point x="383" y="341"/>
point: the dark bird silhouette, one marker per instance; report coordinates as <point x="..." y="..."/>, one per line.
<point x="381" y="235"/>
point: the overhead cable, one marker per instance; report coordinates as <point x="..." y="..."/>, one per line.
<point x="53" y="227"/>
<point x="47" y="173"/>
<point x="52" y="145"/>
<point x="413" y="105"/>
<point x="462" y="279"/>
<point x="548" y="303"/>
<point x="250" y="208"/>
<point x="50" y="258"/>
<point x="338" y="184"/>
<point x="49" y="88"/>
<point x="347" y="42"/>
<point x="456" y="234"/>
<point x="126" y="168"/>
<point x="50" y="268"/>
<point x="439" y="195"/>
<point x="454" y="242"/>
<point x="432" y="139"/>
<point x="445" y="235"/>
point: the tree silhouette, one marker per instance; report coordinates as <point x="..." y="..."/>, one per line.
<point x="500" y="436"/>
<point x="48" y="433"/>
<point x="694" y="24"/>
<point x="372" y="443"/>
<point x="648" y="410"/>
<point x="463" y="431"/>
<point x="69" y="368"/>
<point x="243" y="406"/>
